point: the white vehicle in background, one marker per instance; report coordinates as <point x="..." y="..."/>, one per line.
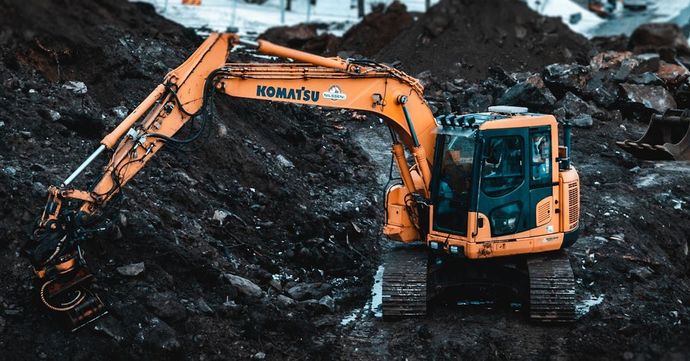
<point x="635" y="5"/>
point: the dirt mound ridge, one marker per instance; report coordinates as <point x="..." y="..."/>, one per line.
<point x="275" y="194"/>
<point x="463" y="38"/>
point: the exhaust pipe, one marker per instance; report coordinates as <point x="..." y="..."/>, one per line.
<point x="565" y="161"/>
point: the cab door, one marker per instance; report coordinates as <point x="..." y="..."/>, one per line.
<point x="504" y="186"/>
<point x="540" y="176"/>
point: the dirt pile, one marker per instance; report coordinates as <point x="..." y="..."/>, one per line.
<point x="258" y="240"/>
<point x="464" y="38"/>
<point x="614" y="85"/>
<point x="249" y="242"/>
<point x="376" y="30"/>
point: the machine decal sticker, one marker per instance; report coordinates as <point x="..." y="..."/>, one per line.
<point x="334" y="93"/>
<point x="302" y="93"/>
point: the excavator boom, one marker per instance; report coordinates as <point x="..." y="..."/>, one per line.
<point x="479" y="204"/>
<point x="185" y="94"/>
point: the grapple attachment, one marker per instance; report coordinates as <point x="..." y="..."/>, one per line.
<point x="70" y="296"/>
<point x="667" y="138"/>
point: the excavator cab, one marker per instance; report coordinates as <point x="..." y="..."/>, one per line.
<point x="497" y="186"/>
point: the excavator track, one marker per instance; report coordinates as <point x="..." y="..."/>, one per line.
<point x="552" y="288"/>
<point x="405" y="278"/>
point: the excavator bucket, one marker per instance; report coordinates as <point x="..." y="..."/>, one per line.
<point x="667" y="138"/>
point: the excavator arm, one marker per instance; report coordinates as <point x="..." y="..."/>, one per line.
<point x="71" y="214"/>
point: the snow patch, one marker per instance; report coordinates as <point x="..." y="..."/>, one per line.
<point x="377" y="293"/>
<point x="219" y="15"/>
<point x="565" y="9"/>
<point x="583" y="307"/>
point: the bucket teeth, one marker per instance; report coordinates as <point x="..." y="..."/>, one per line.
<point x="666" y="138"/>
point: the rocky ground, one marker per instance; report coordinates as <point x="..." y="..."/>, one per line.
<point x="260" y="250"/>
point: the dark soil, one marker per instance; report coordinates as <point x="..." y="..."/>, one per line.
<point x="376" y="30"/>
<point x="464" y="38"/>
<point x="314" y="225"/>
<point x="315" y="222"/>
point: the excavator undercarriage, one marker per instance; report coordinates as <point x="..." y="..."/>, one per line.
<point x="542" y="285"/>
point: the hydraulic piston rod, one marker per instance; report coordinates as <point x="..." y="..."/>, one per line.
<point x="83" y="166"/>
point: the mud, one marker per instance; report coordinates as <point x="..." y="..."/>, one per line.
<point x="287" y="199"/>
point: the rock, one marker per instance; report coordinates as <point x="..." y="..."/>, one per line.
<point x="244" y="285"/>
<point x="582" y="121"/>
<point x="641" y="98"/>
<point x="120" y="112"/>
<point x="294" y="36"/>
<point x="425" y="77"/>
<point x="577" y="111"/>
<point x="648" y="62"/>
<point x="602" y="89"/>
<point x="220" y="215"/>
<point x="608" y="59"/>
<point x="132" y="270"/>
<point x="76" y="87"/>
<point x="305" y="291"/>
<point x="158" y="335"/>
<point x="259" y="356"/>
<point x="284" y="301"/>
<point x="110" y="327"/>
<point x="222" y="130"/>
<point x="672" y="74"/>
<point x="478" y="102"/>
<point x="626" y="68"/>
<point x="54" y="115"/>
<point x="531" y="93"/>
<point x="166" y="306"/>
<point x="641" y="273"/>
<point x="230" y="304"/>
<point x="647" y="78"/>
<point x="275" y="283"/>
<point x="284" y="162"/>
<point x="203" y="306"/>
<point x="659" y="37"/>
<point x="9" y="171"/>
<point x="328" y="302"/>
<point x="185" y="178"/>
<point x="39" y="189"/>
<point x="562" y="78"/>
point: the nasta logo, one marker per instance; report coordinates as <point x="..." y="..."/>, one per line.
<point x="334" y="93"/>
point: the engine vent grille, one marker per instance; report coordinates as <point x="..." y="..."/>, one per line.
<point x="574" y="204"/>
<point x="543" y="213"/>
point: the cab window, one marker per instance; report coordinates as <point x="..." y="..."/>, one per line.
<point x="540" y="165"/>
<point x="503" y="167"/>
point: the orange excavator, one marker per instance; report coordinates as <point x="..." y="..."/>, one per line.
<point x="473" y="186"/>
